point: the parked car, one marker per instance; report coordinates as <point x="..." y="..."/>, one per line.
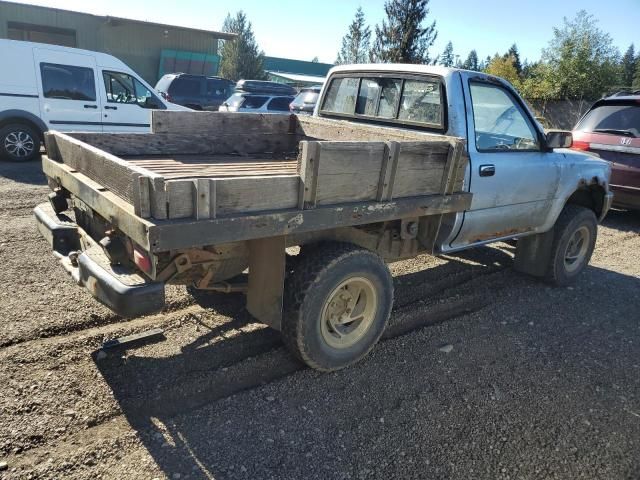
<point x="256" y="103"/>
<point x="198" y="92"/>
<point x="306" y="100"/>
<point x="258" y="96"/>
<point x="611" y="128"/>
<point x="46" y="87"/>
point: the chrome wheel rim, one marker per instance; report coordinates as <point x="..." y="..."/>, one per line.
<point x="348" y="312"/>
<point x="19" y="144"/>
<point x="576" y="250"/>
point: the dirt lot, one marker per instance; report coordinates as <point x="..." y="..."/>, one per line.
<point x="540" y="382"/>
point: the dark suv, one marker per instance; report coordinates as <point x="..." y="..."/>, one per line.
<point x="611" y="128"/>
<point x="195" y="91"/>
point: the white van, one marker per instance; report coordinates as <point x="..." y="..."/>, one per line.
<point x="46" y="87"/>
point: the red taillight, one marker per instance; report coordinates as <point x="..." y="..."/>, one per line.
<point x="142" y="260"/>
<point x="580" y="145"/>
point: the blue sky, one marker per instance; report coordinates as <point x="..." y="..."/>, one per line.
<point x="304" y="29"/>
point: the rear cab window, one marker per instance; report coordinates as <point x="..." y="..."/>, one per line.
<point x="408" y="100"/>
<point x="68" y="82"/>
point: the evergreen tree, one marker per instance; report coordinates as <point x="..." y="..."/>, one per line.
<point x="402" y="38"/>
<point x="241" y="57"/>
<point x="471" y="63"/>
<point x="356" y="43"/>
<point x="515" y="55"/>
<point x="636" y="76"/>
<point x="628" y="66"/>
<point x="447" y="57"/>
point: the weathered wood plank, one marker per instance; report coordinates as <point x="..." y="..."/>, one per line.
<point x="203" y="198"/>
<point x="239" y="142"/>
<point x="218" y="123"/>
<point x="308" y="166"/>
<point x="255" y="194"/>
<point x="141" y="197"/>
<point x="420" y="169"/>
<point x="348" y="171"/>
<point x="180" y="198"/>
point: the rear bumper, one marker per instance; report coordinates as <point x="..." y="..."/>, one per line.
<point x="121" y="289"/>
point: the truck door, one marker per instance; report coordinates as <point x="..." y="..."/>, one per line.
<point x="513" y="179"/>
<point x="67" y="82"/>
<point x="127" y="103"/>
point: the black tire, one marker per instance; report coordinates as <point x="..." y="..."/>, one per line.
<point x="19" y="142"/>
<point x="572" y="219"/>
<point x="317" y="275"/>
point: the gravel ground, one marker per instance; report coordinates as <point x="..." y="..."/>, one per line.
<point x="482" y="373"/>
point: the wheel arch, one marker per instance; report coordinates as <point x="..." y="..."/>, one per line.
<point x="591" y="196"/>
<point x="22" y="116"/>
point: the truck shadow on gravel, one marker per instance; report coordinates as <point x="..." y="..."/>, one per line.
<point x="28" y="172"/>
<point x="623" y="220"/>
<point x="181" y="410"/>
<point x="238" y="355"/>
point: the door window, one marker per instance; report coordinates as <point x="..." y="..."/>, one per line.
<point x="185" y="87"/>
<point x="500" y="122"/>
<point x="68" y="82"/>
<point x="124" y="88"/>
<point x="280" y="104"/>
<point x="219" y="89"/>
<point x="254" y="101"/>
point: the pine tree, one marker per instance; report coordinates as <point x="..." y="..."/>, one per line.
<point x="636" y="76"/>
<point x="241" y="57"/>
<point x="515" y="55"/>
<point x="471" y="63"/>
<point x="628" y="66"/>
<point x="447" y="57"/>
<point x="402" y="38"/>
<point x="356" y="43"/>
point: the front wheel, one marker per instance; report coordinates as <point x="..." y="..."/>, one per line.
<point x="19" y="142"/>
<point x="338" y="301"/>
<point x="574" y="238"/>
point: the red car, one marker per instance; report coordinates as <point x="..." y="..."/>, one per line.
<point x="611" y="128"/>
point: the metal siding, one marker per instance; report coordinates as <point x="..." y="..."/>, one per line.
<point x="137" y="44"/>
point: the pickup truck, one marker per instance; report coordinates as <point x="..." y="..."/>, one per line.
<point x="397" y="160"/>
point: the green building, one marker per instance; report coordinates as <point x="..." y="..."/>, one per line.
<point x="150" y="49"/>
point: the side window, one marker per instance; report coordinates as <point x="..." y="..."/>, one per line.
<point x="341" y="95"/>
<point x="280" y="104"/>
<point x="421" y="102"/>
<point x="500" y="123"/>
<point x="219" y="89"/>
<point x="254" y="101"/>
<point x="123" y="88"/>
<point x="68" y="82"/>
<point x="185" y="87"/>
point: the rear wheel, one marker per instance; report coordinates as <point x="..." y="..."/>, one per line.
<point x="339" y="300"/>
<point x="19" y="142"/>
<point x="574" y="238"/>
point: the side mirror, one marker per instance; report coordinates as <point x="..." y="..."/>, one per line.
<point x="559" y="139"/>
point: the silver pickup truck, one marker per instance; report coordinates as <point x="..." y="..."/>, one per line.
<point x="397" y="160"/>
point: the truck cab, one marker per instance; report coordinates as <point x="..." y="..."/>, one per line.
<point x="521" y="177"/>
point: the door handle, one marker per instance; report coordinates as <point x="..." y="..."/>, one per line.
<point x="90" y="106"/>
<point x="487" y="170"/>
<point x="107" y="107"/>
